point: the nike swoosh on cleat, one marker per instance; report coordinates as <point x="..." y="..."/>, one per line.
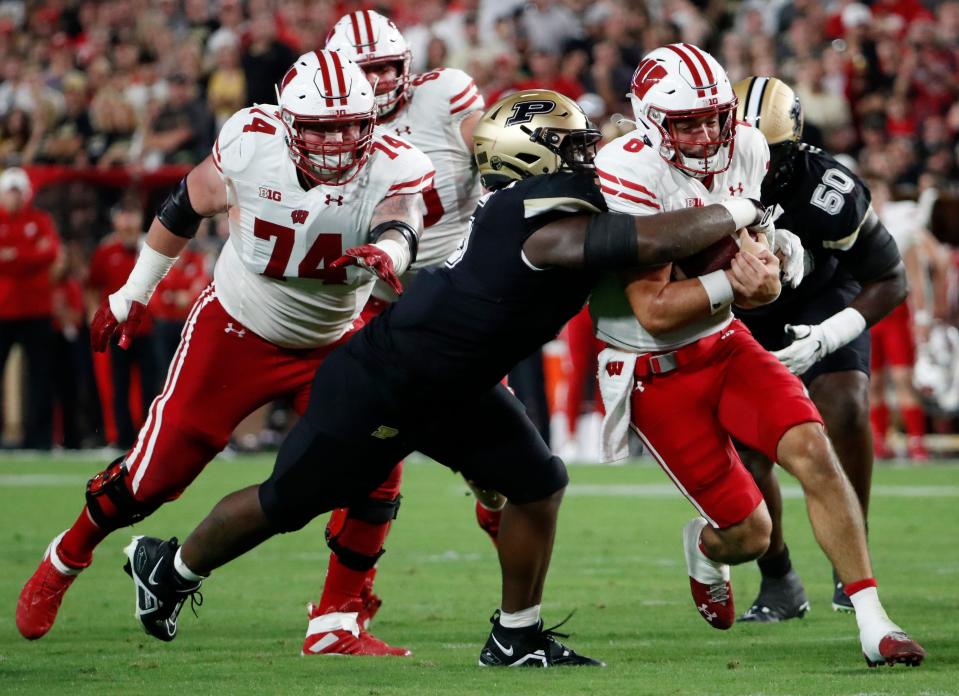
<point x="508" y="653"/>
<point x="152" y="579"/>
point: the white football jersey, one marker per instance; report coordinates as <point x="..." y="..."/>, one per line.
<point x="431" y="120"/>
<point x="635" y="179"/>
<point x="271" y="274"/>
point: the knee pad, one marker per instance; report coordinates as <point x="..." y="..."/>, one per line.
<point x="371" y="511"/>
<point x="109" y="500"/>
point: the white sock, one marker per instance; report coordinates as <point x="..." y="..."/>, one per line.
<point x="520" y="619"/>
<point x="873" y="622"/>
<point x="183" y="570"/>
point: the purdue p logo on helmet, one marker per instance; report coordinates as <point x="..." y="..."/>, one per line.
<point x="530" y="133"/>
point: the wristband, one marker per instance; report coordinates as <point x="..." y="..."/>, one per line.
<point x="718" y="290"/>
<point x="399" y="253"/>
<point x="149" y="270"/>
<point x="744" y="211"/>
<point x="841" y="328"/>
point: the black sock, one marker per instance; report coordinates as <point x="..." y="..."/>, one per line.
<point x="775" y="567"/>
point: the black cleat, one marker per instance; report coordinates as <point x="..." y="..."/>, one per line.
<point x="840" y="600"/>
<point x="778" y="600"/>
<point x="531" y="646"/>
<point x="160" y="593"/>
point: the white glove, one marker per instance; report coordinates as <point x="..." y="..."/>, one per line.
<point x="789" y="248"/>
<point x="811" y="343"/>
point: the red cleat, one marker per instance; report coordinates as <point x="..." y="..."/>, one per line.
<point x="339" y="633"/>
<point x="40" y="598"/>
<point x="708" y="580"/>
<point x="898" y="648"/>
<point x="488" y="520"/>
<point x="916" y="451"/>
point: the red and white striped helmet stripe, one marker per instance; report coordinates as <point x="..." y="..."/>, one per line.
<point x="710" y="79"/>
<point x="332" y="69"/>
<point x="691" y="61"/>
<point x="363" y="31"/>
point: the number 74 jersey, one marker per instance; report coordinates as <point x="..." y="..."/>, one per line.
<point x="272" y="274"/>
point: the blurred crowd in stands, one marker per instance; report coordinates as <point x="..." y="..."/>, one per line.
<point x="105" y="105"/>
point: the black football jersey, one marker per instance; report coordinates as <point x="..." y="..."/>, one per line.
<point x="465" y="325"/>
<point x="824" y="204"/>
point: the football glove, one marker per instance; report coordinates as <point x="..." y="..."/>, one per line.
<point x="811" y="343"/>
<point x="106" y="323"/>
<point x="789" y="249"/>
<point x="374" y="259"/>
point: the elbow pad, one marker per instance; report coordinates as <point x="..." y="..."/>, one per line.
<point x="610" y="242"/>
<point x="176" y="213"/>
<point x="873" y="255"/>
<point x="404" y="228"/>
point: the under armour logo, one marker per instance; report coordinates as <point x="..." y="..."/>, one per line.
<point x="733" y="190"/>
<point x="405" y="130"/>
<point x="384" y="432"/>
<point x="240" y="333"/>
<point x="708" y="615"/>
<point x="639" y="387"/>
<point x="299" y="216"/>
<point x="333" y="199"/>
<point x="614" y="368"/>
<point x="727" y="334"/>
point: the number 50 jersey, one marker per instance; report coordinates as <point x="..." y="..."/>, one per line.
<point x="272" y="274"/>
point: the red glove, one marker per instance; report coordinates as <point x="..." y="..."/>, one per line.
<point x="105" y="325"/>
<point x="373" y="259"/>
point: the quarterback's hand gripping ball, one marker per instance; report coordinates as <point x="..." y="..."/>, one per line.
<point x="105" y="325"/>
<point x="373" y="259"/>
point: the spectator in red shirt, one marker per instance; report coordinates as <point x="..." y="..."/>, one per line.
<point x="29" y="245"/>
<point x="172" y="301"/>
<point x="111" y="264"/>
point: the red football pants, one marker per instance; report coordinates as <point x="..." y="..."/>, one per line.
<point x="220" y="374"/>
<point x="726" y="386"/>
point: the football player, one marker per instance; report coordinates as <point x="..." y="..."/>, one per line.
<point x="691" y="377"/>
<point x="854" y="278"/>
<point x="301" y="181"/>
<point x="425" y="374"/>
<point x="437" y="112"/>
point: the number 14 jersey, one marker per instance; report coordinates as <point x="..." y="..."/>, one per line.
<point x="272" y="274"/>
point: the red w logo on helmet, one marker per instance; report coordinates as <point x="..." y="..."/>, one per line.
<point x="646" y="76"/>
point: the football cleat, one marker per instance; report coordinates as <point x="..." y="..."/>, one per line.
<point x="41" y="596"/>
<point x="779" y="599"/>
<point x="340" y="633"/>
<point x="708" y="580"/>
<point x="488" y="520"/>
<point x="840" y="600"/>
<point x="530" y="646"/>
<point x="160" y="593"/>
<point x="896" y="648"/>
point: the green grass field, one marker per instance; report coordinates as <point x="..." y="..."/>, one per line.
<point x="618" y="562"/>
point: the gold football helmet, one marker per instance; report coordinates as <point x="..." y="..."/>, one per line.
<point x="531" y="133"/>
<point x="773" y="107"/>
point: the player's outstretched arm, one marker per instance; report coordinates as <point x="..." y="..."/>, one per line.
<point x="873" y="259"/>
<point x="617" y="241"/>
<point x="199" y="194"/>
<point x="393" y="240"/>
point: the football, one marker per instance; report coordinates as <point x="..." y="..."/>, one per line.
<point x="716" y="257"/>
<point x="713" y="258"/>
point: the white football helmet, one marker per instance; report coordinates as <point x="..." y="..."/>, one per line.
<point x="368" y="39"/>
<point x="326" y="92"/>
<point x="681" y="81"/>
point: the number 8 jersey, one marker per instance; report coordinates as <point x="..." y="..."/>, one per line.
<point x="272" y="274"/>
